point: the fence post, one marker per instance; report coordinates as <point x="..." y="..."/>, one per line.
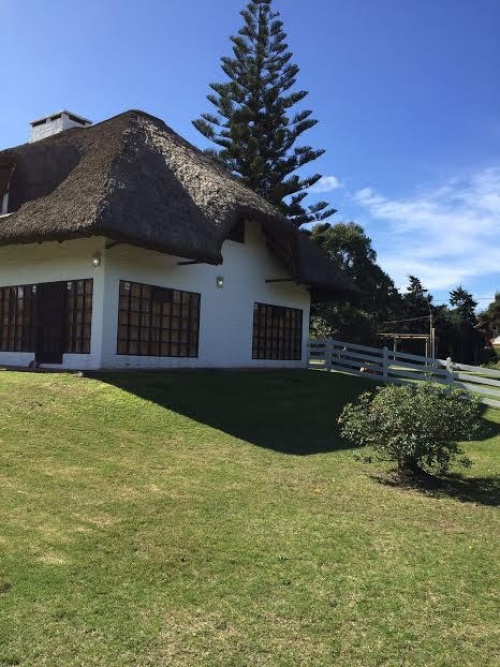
<point x="449" y="369"/>
<point x="385" y="365"/>
<point x="328" y="353"/>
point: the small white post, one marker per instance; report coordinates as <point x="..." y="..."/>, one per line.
<point x="385" y="364"/>
<point x="449" y="370"/>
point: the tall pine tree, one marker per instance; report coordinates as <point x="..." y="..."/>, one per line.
<point x="254" y="126"/>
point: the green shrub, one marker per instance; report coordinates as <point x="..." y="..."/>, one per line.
<point x="416" y="426"/>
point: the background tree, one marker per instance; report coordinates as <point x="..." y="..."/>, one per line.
<point x="468" y="341"/>
<point x="384" y="310"/>
<point x="456" y="333"/>
<point x="489" y="326"/>
<point x="253" y="125"/>
<point x="353" y="253"/>
<point x="445" y="325"/>
<point x="465" y="307"/>
<point x="413" y="316"/>
<point x="490" y="317"/>
<point x="417" y="306"/>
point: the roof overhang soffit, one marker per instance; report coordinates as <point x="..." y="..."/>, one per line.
<point x="6" y="171"/>
<point x="283" y="245"/>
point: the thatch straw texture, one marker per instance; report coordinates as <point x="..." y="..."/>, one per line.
<point x="131" y="178"/>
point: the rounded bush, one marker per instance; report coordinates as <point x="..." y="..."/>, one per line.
<point x="416" y="426"/>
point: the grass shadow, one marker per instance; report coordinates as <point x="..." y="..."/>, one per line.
<point x="288" y="411"/>
<point x="476" y="490"/>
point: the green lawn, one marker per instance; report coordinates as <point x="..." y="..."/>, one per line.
<point x="215" y="519"/>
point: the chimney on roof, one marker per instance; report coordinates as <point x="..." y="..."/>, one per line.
<point x="58" y="122"/>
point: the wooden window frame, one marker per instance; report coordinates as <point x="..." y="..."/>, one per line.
<point x="157" y="321"/>
<point x="79" y="308"/>
<point x="17" y="318"/>
<point x="277" y="332"/>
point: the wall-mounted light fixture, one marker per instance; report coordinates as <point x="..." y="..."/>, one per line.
<point x="219" y="281"/>
<point x="97" y="259"/>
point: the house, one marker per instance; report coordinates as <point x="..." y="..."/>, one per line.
<point x="124" y="246"/>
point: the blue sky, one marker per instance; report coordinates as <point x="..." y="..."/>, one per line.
<point x="407" y="94"/>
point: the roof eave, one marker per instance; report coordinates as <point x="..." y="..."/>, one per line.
<point x="202" y="258"/>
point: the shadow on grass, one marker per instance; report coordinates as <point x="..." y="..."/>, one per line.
<point x="292" y="412"/>
<point x="480" y="490"/>
<point x="477" y="490"/>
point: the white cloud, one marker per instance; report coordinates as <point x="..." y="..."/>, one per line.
<point x="445" y="235"/>
<point x="326" y="184"/>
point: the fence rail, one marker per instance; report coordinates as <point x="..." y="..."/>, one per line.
<point x="384" y="365"/>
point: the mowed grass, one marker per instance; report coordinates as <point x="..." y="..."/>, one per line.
<point x="216" y="519"/>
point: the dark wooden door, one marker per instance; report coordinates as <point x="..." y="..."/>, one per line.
<point x="51" y="322"/>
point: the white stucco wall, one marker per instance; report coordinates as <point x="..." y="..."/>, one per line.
<point x="51" y="262"/>
<point x="226" y="315"/>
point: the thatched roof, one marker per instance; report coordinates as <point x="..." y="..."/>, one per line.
<point x="132" y="179"/>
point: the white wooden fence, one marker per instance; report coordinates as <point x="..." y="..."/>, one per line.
<point x="384" y="365"/>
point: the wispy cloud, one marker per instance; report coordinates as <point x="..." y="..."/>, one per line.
<point x="326" y="184"/>
<point x="445" y="235"/>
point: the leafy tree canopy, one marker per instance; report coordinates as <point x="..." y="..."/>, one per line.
<point x="464" y="305"/>
<point x="351" y="249"/>
<point x="491" y="316"/>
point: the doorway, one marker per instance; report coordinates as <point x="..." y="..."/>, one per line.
<point x="51" y="322"/>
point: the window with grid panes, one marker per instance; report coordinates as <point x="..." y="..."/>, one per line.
<point x="157" y="322"/>
<point x="277" y="333"/>
<point x="17" y="316"/>
<point x="78" y="316"/>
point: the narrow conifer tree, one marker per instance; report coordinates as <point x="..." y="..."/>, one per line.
<point x="254" y="126"/>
